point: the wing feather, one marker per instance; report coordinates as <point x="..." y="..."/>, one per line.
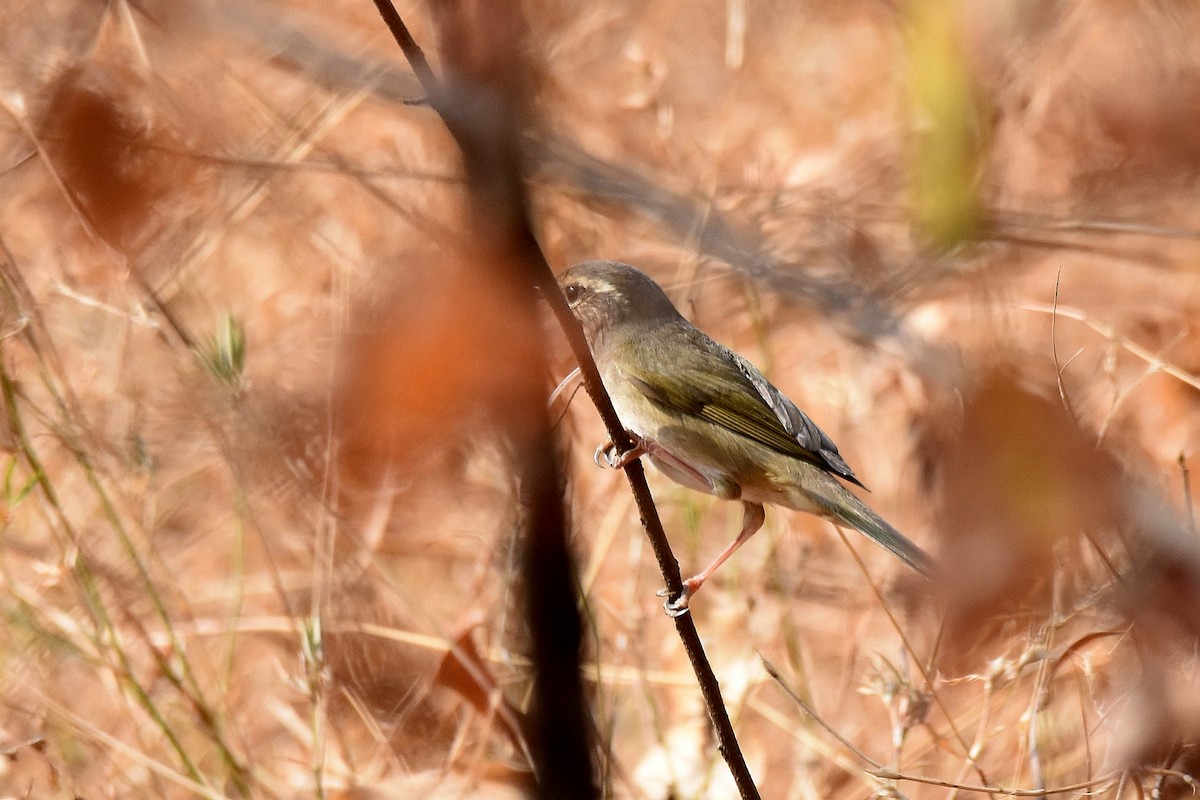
<point x="741" y="400"/>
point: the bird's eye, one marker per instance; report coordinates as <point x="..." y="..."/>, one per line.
<point x="573" y="293"/>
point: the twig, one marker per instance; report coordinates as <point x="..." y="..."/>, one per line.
<point x="1003" y="791"/>
<point x="568" y="384"/>
<point x="1017" y="219"/>
<point x="481" y="118"/>
<point x="876" y="766"/>
<point x="1041" y="686"/>
<point x="877" y="770"/>
<point x="1058" y="370"/>
<point x="539" y="268"/>
<point x="1187" y="494"/>
<point x="926" y="674"/>
<point x="1123" y="341"/>
<point x="1183" y="777"/>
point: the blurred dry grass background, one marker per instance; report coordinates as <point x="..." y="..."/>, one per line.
<point x="252" y="500"/>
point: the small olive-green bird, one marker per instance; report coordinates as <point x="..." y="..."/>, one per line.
<point x="707" y="418"/>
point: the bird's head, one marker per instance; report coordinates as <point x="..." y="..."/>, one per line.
<point x="604" y="294"/>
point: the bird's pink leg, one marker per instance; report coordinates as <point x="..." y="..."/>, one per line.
<point x="643" y="447"/>
<point x="752" y="520"/>
<point x="666" y="459"/>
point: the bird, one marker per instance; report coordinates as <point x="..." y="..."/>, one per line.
<point x="708" y="419"/>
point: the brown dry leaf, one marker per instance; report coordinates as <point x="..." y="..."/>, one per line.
<point x="465" y="672"/>
<point x="114" y="150"/>
<point x="452" y="357"/>
<point x="1160" y="717"/>
<point x="1016" y="478"/>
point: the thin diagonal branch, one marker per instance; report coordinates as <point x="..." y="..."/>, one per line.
<point x="512" y="185"/>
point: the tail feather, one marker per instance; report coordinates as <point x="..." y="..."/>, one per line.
<point x="847" y="508"/>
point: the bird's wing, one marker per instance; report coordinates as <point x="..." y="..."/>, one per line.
<point x="741" y="400"/>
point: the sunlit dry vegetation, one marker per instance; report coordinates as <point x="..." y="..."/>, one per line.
<point x="260" y="535"/>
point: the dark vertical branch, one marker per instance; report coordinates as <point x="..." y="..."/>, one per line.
<point x="480" y="107"/>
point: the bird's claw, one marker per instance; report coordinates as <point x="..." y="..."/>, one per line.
<point x="607" y="452"/>
<point x="614" y="460"/>
<point x="679" y="606"/>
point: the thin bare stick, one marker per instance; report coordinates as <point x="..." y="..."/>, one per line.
<point x="480" y="112"/>
<point x="877" y="770"/>
<point x="876" y="766"/>
<point x="1058" y="370"/>
<point x="1003" y="791"/>
<point x="568" y="384"/>
<point x="968" y="750"/>
<point x="1187" y="494"/>
<point x="1122" y="341"/>
<point x="459" y="122"/>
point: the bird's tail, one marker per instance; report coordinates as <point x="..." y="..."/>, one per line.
<point x="840" y="505"/>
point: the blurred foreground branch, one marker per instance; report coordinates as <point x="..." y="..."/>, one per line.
<point x="480" y="118"/>
<point x="480" y="109"/>
<point x="865" y="315"/>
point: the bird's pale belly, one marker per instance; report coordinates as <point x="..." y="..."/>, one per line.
<point x="752" y="484"/>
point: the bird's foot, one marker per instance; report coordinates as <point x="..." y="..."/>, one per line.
<point x="679" y="606"/>
<point x="607" y="453"/>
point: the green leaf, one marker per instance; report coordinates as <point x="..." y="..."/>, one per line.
<point x="225" y="353"/>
